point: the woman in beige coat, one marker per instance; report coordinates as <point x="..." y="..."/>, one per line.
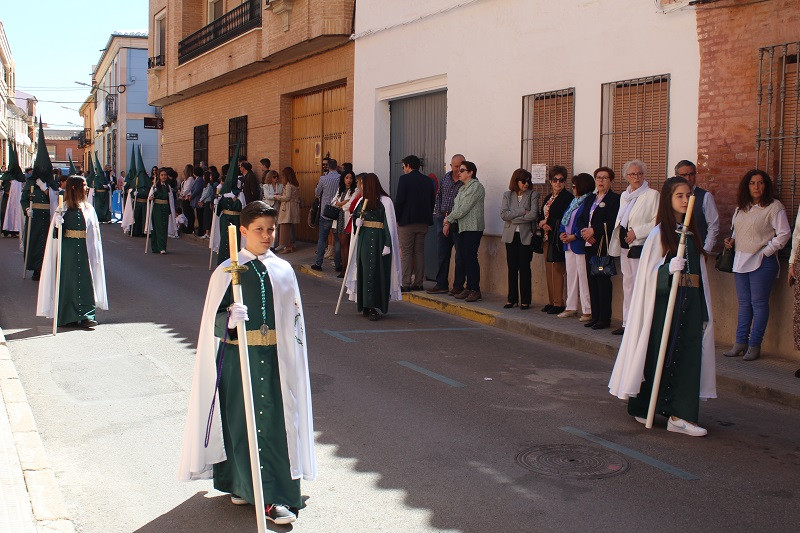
<point x="289" y="213"/>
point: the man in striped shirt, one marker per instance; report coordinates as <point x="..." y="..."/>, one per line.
<point x="445" y="196"/>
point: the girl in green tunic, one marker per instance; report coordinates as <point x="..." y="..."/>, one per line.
<point x="374" y="260"/>
<point x="679" y="391"/>
<point x="161" y="212"/>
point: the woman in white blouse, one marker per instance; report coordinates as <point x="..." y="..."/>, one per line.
<point x="760" y="230"/>
<point x="638" y="206"/>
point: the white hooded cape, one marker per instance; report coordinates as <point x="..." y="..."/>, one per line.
<point x="196" y="459"/>
<point x="13" y="218"/>
<point x="127" y="212"/>
<point x="395" y="294"/>
<point x="628" y="374"/>
<point x="94" y="248"/>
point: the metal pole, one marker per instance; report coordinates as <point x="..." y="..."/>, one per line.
<point x="211" y="235"/>
<point x="350" y="258"/>
<point x="673" y="294"/>
<point x="147" y="225"/>
<point x="27" y="237"/>
<point x="59" y="212"/>
<point x="247" y="387"/>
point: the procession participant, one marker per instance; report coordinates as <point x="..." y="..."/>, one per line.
<point x="129" y="200"/>
<point x="82" y="284"/>
<point x="39" y="194"/>
<point x="141" y="188"/>
<point x="162" y="216"/>
<point x="689" y="373"/>
<point x="4" y="187"/>
<point x="375" y="280"/>
<point x="228" y="209"/>
<point x="13" y="180"/>
<point x="101" y="192"/>
<point x="215" y="442"/>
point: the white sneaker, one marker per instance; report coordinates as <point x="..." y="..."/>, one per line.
<point x="682" y="426"/>
<point x="235" y="500"/>
<point x="567" y="314"/>
<point x="640" y="419"/>
<point x="280" y="514"/>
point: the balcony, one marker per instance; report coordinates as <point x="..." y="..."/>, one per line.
<point x="157" y="62"/>
<point x="111" y="108"/>
<point x="232" y="24"/>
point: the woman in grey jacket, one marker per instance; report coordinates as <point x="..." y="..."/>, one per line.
<point x="520" y="207"/>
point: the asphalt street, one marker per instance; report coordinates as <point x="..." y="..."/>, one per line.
<point x="424" y="422"/>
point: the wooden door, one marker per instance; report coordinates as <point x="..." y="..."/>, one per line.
<point x="319" y="128"/>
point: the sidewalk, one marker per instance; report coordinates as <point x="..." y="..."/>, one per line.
<point x="769" y="378"/>
<point x="30" y="499"/>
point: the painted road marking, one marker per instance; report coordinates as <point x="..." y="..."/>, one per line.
<point x="434" y="375"/>
<point x="344" y="338"/>
<point x="669" y="469"/>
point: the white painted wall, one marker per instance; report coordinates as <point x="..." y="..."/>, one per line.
<point x="490" y="53"/>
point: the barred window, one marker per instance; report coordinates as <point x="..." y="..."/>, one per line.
<point x="200" y="144"/>
<point x="548" y="128"/>
<point x="634" y="125"/>
<point x="237" y="131"/>
<point x="778" y="129"/>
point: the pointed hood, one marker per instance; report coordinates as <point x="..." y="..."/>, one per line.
<point x="72" y="170"/>
<point x="42" y="166"/>
<point x="142" y="179"/>
<point x="99" y="175"/>
<point x="89" y="174"/>
<point x="131" y="168"/>
<point x="14" y="172"/>
<point x="230" y="184"/>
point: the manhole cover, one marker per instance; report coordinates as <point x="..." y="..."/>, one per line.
<point x="577" y="462"/>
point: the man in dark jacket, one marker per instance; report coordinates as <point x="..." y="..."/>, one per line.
<point x="414" y="208"/>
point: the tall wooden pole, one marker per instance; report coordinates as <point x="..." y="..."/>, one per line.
<point x="350" y="258"/>
<point x="59" y="212"/>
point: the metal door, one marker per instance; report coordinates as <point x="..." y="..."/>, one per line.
<point x="418" y="127"/>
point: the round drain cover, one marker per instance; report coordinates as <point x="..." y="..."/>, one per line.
<point x="572" y="461"/>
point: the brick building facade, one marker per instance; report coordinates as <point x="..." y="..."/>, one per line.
<point x="63" y="144"/>
<point x="279" y="79"/>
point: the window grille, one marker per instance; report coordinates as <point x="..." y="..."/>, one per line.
<point x="778" y="128"/>
<point x="200" y="144"/>
<point x="634" y="125"/>
<point x="113" y="160"/>
<point x="237" y="131"/>
<point x="548" y="130"/>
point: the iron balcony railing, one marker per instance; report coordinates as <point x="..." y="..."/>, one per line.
<point x="155" y="62"/>
<point x="111" y="108"/>
<point x="232" y="24"/>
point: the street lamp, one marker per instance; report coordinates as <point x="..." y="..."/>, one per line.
<point x="120" y="88"/>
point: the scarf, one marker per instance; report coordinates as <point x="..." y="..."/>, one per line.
<point x="577" y="201"/>
<point x="629" y="199"/>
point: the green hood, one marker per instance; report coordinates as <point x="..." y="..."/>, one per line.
<point x="131" y="169"/>
<point x="14" y="172"/>
<point x="100" y="178"/>
<point x="72" y="170"/>
<point x="42" y="166"/>
<point x="142" y="179"/>
<point x="233" y="174"/>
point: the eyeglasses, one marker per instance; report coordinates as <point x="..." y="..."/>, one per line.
<point x="462" y="170"/>
<point x="635" y="174"/>
<point x="688" y="174"/>
<point x="558" y="180"/>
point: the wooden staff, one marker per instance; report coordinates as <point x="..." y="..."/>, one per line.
<point x="247" y="387"/>
<point x="350" y="257"/>
<point x="59" y="212"/>
<point x="211" y="235"/>
<point x="673" y="294"/>
<point x="147" y="224"/>
<point x="27" y="237"/>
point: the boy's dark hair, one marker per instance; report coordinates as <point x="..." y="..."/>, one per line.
<point x="178" y="210"/>
<point x="255" y="210"/>
<point x="332" y="164"/>
<point x="198" y="171"/>
<point x="412" y="161"/>
<point x="266" y="162"/>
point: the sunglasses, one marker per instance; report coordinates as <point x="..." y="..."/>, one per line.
<point x="463" y="170"/>
<point x="558" y="180"/>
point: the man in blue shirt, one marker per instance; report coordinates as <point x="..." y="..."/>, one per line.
<point x="326" y="189"/>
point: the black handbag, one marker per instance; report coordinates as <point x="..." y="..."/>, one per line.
<point x="331" y="212"/>
<point x="635" y="252"/>
<point x="537" y="241"/>
<point x="602" y="265"/>
<point x="313" y="214"/>
<point x="724" y="261"/>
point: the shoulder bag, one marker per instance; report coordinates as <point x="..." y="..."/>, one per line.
<point x="313" y="213"/>
<point x="602" y="265"/>
<point x="724" y="262"/>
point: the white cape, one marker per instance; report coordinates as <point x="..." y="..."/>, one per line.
<point x="13" y="218"/>
<point x="127" y="212"/>
<point x="172" y="228"/>
<point x="628" y="374"/>
<point x="94" y="248"/>
<point x="197" y="459"/>
<point x="395" y="294"/>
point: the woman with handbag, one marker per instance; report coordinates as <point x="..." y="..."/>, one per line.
<point x="569" y="234"/>
<point x="520" y="207"/>
<point x="638" y="206"/>
<point x="553" y="209"/>
<point x="289" y="212"/>
<point x="600" y="212"/>
<point x="760" y="230"/>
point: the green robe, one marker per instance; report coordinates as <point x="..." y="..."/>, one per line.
<point x="233" y="475"/>
<point x="374" y="271"/>
<point x="76" y="291"/>
<point x="101" y="198"/>
<point x="160" y="220"/>
<point x="40" y="223"/>
<point x="227" y="204"/>
<point x="140" y="208"/>
<point x="679" y="393"/>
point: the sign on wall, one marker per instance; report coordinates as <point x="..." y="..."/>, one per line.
<point x="154" y="123"/>
<point x="132" y="136"/>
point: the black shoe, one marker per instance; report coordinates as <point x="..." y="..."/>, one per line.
<point x="36" y="275"/>
<point x="417" y="288"/>
<point x="405" y="288"/>
<point x="341" y="275"/>
<point x="524" y="307"/>
<point x="509" y="305"/>
<point x="437" y="290"/>
<point x="600" y="325"/>
<point x="547" y="308"/>
<point x="316" y="267"/>
<point x="373" y="315"/>
<point x="618" y="331"/>
<point x="87" y="324"/>
<point x="590" y="323"/>
<point x="365" y="311"/>
<point x="555" y="310"/>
